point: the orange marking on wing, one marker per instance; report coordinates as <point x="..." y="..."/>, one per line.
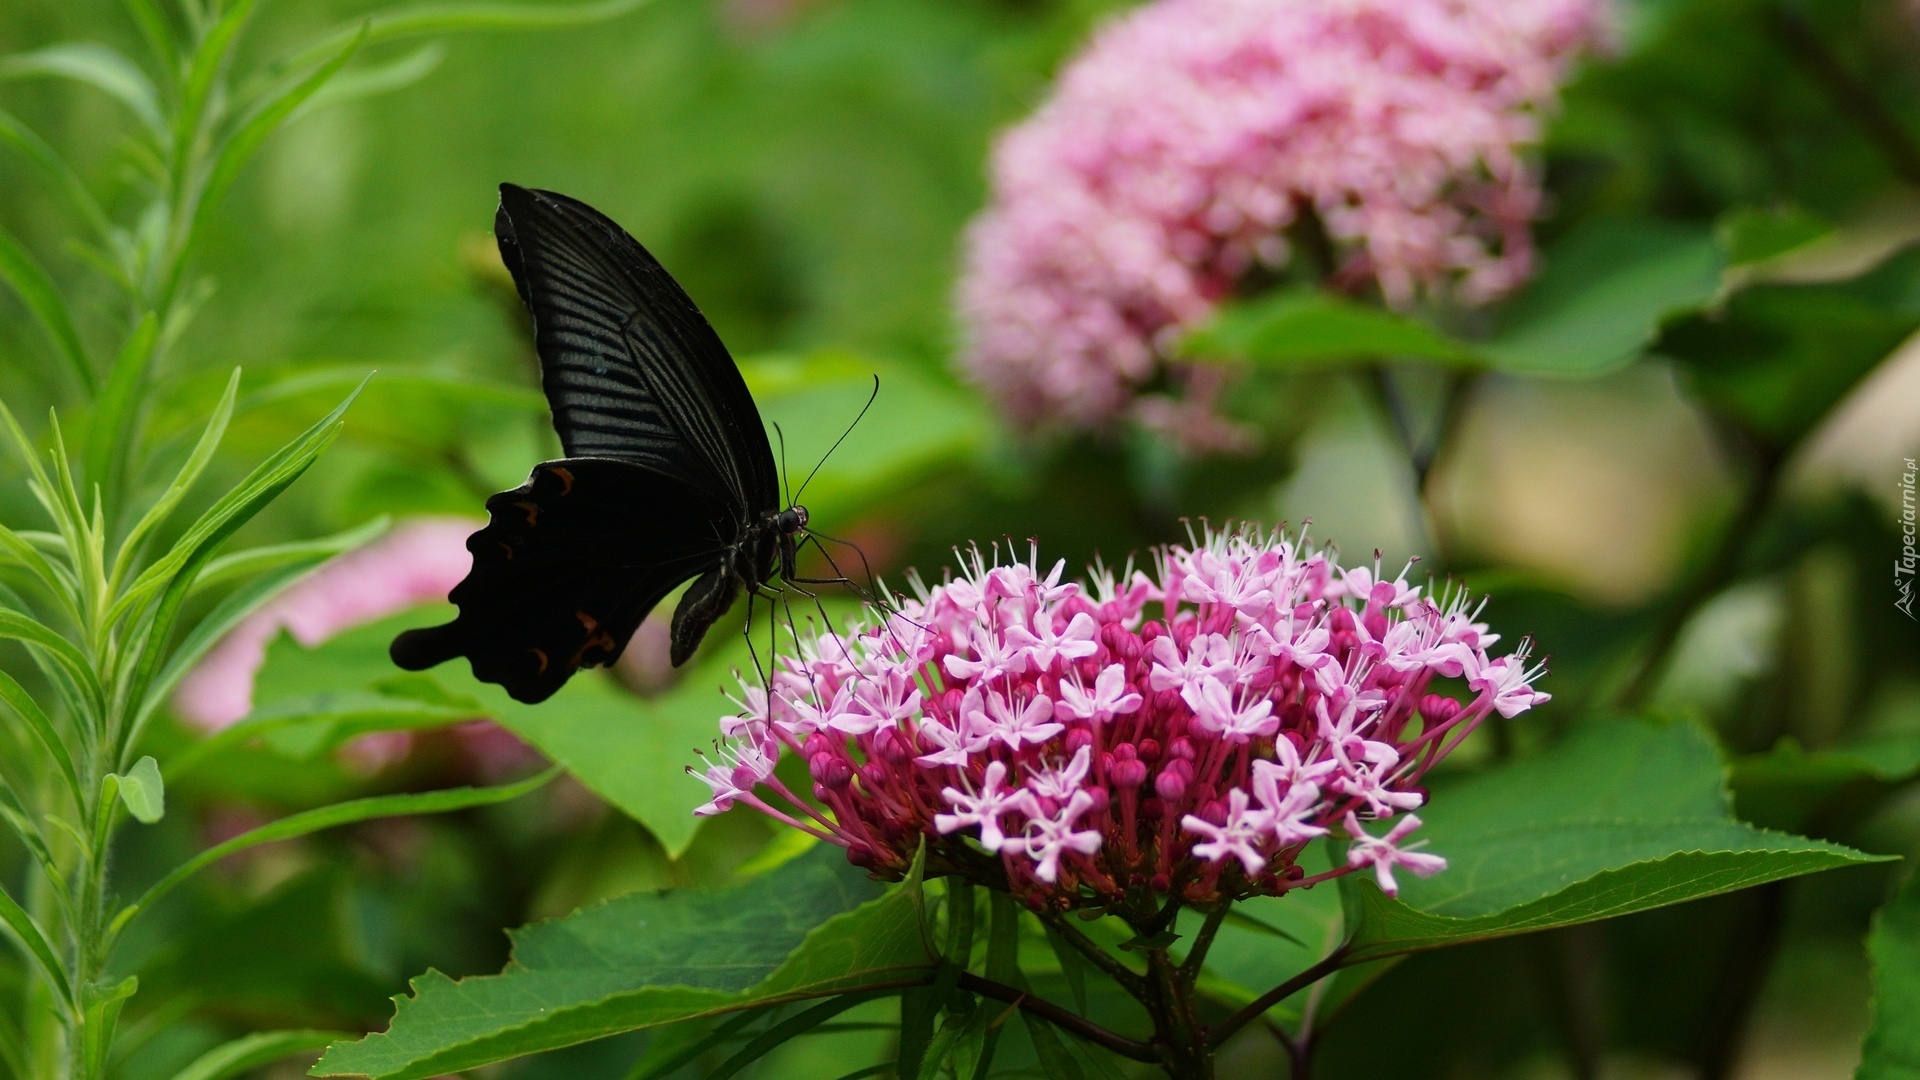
<point x="587" y="621"/>
<point x="602" y="641"/>
<point x="533" y="512"/>
<point x="566" y="478"/>
<point x="506" y="547"/>
<point x="541" y="654"/>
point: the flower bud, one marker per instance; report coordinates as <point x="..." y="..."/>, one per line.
<point x="1128" y="773"/>
<point x="1149" y="750"/>
<point x="1078" y="737"/>
<point x="1170" y="785"/>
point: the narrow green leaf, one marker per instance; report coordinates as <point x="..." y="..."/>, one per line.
<point x="59" y="581"/>
<point x="209" y="62"/>
<point x="28" y="933"/>
<point x="110" y="435"/>
<point x="238" y="147"/>
<point x="44" y="732"/>
<point x="1892" y="1048"/>
<point x="205" y="633"/>
<point x="245" y="564"/>
<point x="99" y="66"/>
<point x="20" y="820"/>
<point x="919" y="1008"/>
<point x="328" y="817"/>
<point x="1821" y="256"/>
<point x="155" y="28"/>
<point x="183" y="481"/>
<point x="29" y="631"/>
<point x="799" y="931"/>
<point x="42" y="153"/>
<point x="144" y="792"/>
<point x="1054" y="1059"/>
<point x="379" y="79"/>
<point x="30" y="281"/>
<point x="792" y="1027"/>
<point x="455" y="17"/>
<point x="679" y="1045"/>
<point x="251" y="1052"/>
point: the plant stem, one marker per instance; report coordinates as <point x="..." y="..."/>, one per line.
<point x="1326" y="966"/>
<point x="1065" y="1019"/>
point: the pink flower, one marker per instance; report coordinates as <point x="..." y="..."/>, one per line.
<point x="1383" y="853"/>
<point x="1179" y="147"/>
<point x="1199" y="765"/>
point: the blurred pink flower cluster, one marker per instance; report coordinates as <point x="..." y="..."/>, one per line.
<point x="1049" y="736"/>
<point x="1191" y="133"/>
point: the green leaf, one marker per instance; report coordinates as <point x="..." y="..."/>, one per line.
<point x="246" y="564"/>
<point x="454" y="17"/>
<point x="328" y="817"/>
<point x="372" y="81"/>
<point x="98" y="66"/>
<point x="209" y="62"/>
<point x="45" y="641"/>
<point x="252" y="1051"/>
<point x="30" y="281"/>
<point x="144" y="792"/>
<point x="1602" y="295"/>
<point x="28" y="933"/>
<point x="1623" y="816"/>
<point x="29" y="142"/>
<point x="1796" y="249"/>
<point x="1892" y="1048"/>
<point x="239" y="146"/>
<point x="183" y="480"/>
<point x="812" y="928"/>
<point x="1309" y="327"/>
<point x="110" y="434"/>
<point x="44" y="732"/>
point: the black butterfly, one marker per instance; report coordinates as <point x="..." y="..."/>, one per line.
<point x="668" y="472"/>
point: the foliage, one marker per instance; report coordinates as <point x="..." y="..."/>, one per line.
<point x="1677" y="845"/>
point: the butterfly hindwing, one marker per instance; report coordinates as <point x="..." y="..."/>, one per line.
<point x="631" y="368"/>
<point x="565" y="570"/>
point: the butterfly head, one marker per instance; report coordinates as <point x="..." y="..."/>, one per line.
<point x="792" y="521"/>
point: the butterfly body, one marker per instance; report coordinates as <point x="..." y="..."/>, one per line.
<point x="669" y="475"/>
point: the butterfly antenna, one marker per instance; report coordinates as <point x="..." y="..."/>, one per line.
<point x="838" y="441"/>
<point x="781" y="438"/>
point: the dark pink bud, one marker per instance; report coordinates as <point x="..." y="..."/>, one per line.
<point x="950" y="701"/>
<point x="1078" y="737"/>
<point x="1375" y="621"/>
<point x="1182" y="748"/>
<point x="1341" y="621"/>
<point x="1214" y="811"/>
<point x="1438" y="708"/>
<point x="1120" y="642"/>
<point x="817" y="743"/>
<point x="861" y="855"/>
<point x="1165" y="701"/>
<point x="1152" y="630"/>
<point x="891" y="747"/>
<point x="1125" y="752"/>
<point x="1170" y="785"/>
<point x="1149" y="750"/>
<point x="1161" y="883"/>
<point x="1101" y="800"/>
<point x="875" y="775"/>
<point x="820" y="792"/>
<point x="1128" y="774"/>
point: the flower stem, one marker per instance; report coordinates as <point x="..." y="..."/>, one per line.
<point x="1326" y="966"/>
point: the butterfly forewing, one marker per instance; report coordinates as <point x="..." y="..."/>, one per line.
<point x="631" y="368"/>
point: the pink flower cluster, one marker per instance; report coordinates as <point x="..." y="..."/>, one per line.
<point x="1051" y="739"/>
<point x="1191" y="133"/>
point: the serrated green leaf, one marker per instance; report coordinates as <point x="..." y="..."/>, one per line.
<point x="1892" y="1048"/>
<point x="144" y="793"/>
<point x="1602" y="295"/>
<point x="812" y="928"/>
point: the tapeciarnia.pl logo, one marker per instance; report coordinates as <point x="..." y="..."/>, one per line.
<point x="1904" y="566"/>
